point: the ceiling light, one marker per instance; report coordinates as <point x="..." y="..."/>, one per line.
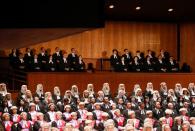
<point x="111" y="6"/>
<point x="138" y="8"/>
<point x="170" y="9"/>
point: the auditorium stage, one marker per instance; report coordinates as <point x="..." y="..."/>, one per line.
<point x="66" y="80"/>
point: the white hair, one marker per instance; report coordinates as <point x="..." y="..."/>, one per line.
<point x="106" y="88"/>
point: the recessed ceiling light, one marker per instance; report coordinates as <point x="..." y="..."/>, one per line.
<point x="170" y="9"/>
<point x="111" y="6"/>
<point x="138" y="8"/>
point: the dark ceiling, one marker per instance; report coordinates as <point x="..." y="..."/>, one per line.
<point x="151" y="10"/>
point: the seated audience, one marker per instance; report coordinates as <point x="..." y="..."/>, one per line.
<point x="152" y="110"/>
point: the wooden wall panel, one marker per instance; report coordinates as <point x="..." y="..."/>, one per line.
<point x="187" y="45"/>
<point x="119" y="35"/>
<point x="66" y="80"/>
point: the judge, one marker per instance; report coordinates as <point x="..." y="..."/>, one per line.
<point x="136" y="66"/>
<point x="127" y="58"/>
<point x="51" y="65"/>
<point x="64" y="63"/>
<point x="73" y="59"/>
<point x="57" y="57"/>
<point x="36" y="64"/>
<point x="124" y="66"/>
<point x="161" y="64"/>
<point x="172" y="65"/>
<point x="20" y="63"/>
<point x="43" y="58"/>
<point x="81" y="64"/>
<point x="28" y="57"/>
<point x="148" y="64"/>
<point x="13" y="56"/>
<point x="115" y="60"/>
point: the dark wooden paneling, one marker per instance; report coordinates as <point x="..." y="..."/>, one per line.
<point x="187" y="45"/>
<point x="119" y="35"/>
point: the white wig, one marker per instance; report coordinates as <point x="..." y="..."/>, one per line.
<point x="106" y="88"/>
<point x="3" y="89"/>
<point x="57" y="91"/>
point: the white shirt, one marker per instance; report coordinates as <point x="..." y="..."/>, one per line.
<point x="52" y="115"/>
<point x="21" y="60"/>
<point x="35" y="61"/>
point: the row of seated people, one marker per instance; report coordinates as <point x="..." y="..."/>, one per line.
<point x="58" y="61"/>
<point x="166" y="109"/>
<point x="150" y="63"/>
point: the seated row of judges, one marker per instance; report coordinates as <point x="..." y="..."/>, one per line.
<point x="58" y="61"/>
<point x="138" y="63"/>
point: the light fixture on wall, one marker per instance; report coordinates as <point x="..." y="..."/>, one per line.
<point x="138" y="8"/>
<point x="170" y="9"/>
<point x="111" y="6"/>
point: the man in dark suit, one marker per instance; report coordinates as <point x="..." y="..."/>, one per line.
<point x="127" y="110"/>
<point x="172" y="65"/>
<point x="35" y="64"/>
<point x="57" y="57"/>
<point x="73" y="59"/>
<point x="160" y="65"/>
<point x="128" y="59"/>
<point x="140" y="56"/>
<point x="20" y="63"/>
<point x="137" y="65"/>
<point x="148" y="65"/>
<point x="28" y="58"/>
<point x="43" y="58"/>
<point x="64" y="63"/>
<point x="115" y="60"/>
<point x="141" y="113"/>
<point x="157" y="111"/>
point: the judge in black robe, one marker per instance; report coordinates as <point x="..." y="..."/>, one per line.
<point x="115" y="61"/>
<point x="28" y="57"/>
<point x="73" y="60"/>
<point x="13" y="56"/>
<point x="43" y="59"/>
<point x="35" y="64"/>
<point x="20" y="63"/>
<point x="137" y="66"/>
<point x="172" y="65"/>
<point x="64" y="63"/>
<point x="128" y="59"/>
<point x="57" y="57"/>
<point x="81" y="64"/>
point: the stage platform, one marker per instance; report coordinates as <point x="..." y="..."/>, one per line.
<point x="66" y="80"/>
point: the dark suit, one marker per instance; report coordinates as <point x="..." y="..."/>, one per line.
<point x="81" y="66"/>
<point x="28" y="60"/>
<point x="149" y="67"/>
<point x="64" y="65"/>
<point x="128" y="60"/>
<point x="137" y="67"/>
<point x="51" y="66"/>
<point x="57" y="58"/>
<point x="159" y="114"/>
<point x="43" y="59"/>
<point x="13" y="60"/>
<point x="35" y="66"/>
<point x="73" y="60"/>
<point x="173" y="66"/>
<point x="160" y="66"/>
<point x="20" y="64"/>
<point x="115" y="62"/>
